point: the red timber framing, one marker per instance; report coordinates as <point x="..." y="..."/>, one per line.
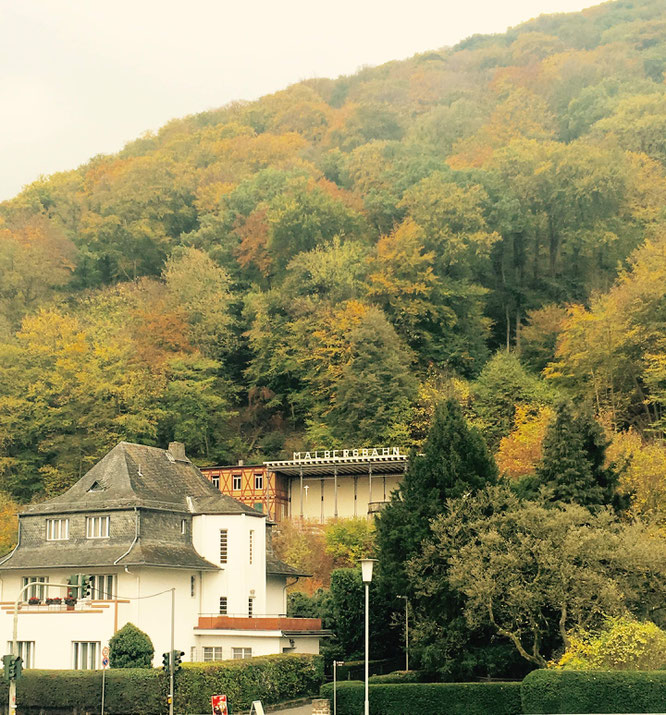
<point x="253" y="485"/>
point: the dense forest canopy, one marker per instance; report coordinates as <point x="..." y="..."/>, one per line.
<point x="323" y="265"/>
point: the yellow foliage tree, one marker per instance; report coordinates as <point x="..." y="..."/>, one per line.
<point x="521" y="451"/>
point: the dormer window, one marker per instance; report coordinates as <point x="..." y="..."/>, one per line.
<point x="97" y="527"/>
<point x="96" y="487"/>
<point x="57" y="529"/>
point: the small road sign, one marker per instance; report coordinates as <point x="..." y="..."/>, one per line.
<point x="105" y="651"/>
<point x="105" y="662"/>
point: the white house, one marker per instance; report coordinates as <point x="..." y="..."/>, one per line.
<point x="142" y="521"/>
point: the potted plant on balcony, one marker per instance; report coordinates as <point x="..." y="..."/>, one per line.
<point x="70" y="603"/>
<point x="54" y="601"/>
<point x="34" y="600"/>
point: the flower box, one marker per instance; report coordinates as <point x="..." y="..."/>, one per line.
<point x="34" y="601"/>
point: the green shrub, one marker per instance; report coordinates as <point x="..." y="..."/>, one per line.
<point x="431" y="698"/>
<point x="130" y="647"/>
<point x="355" y="669"/>
<point x="623" y="644"/>
<point x="399" y="676"/>
<point x="271" y="679"/>
<point x="562" y="691"/>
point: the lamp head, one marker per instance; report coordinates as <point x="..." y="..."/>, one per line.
<point x="366" y="569"/>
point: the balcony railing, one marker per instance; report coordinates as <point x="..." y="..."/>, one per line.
<point x="374" y="507"/>
<point x="263" y="622"/>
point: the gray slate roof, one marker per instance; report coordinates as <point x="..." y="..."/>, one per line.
<point x="275" y="567"/>
<point x="102" y="556"/>
<point x="134" y="475"/>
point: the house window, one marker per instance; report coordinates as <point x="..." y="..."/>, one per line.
<point x="216" y="480"/>
<point x="212" y="653"/>
<point x="250" y="607"/>
<point x="258" y="481"/>
<point x="251" y="545"/>
<point x="26" y="651"/>
<point x="102" y="587"/>
<point x="35" y="591"/>
<point x="183" y="526"/>
<point x="236" y="479"/>
<point x="97" y="527"/>
<point x="241" y="653"/>
<point x="57" y="529"/>
<point x="223" y="546"/>
<point x="223" y="605"/>
<point x="193" y="586"/>
<point x="86" y="655"/>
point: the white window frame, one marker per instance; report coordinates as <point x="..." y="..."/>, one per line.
<point x="215" y="479"/>
<point x="97" y="527"/>
<point x="258" y="481"/>
<point x="236" y="482"/>
<point x="251" y="545"/>
<point x="224" y="605"/>
<point x="85" y="655"/>
<point x="38" y="589"/>
<point x="57" y="529"/>
<point x="250" y="607"/>
<point x="26" y="652"/>
<point x="212" y="653"/>
<point x="241" y="653"/>
<point x="103" y="587"/>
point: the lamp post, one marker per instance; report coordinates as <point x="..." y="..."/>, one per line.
<point x="366" y="575"/>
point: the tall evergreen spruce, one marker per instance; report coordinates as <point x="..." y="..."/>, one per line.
<point x="455" y="461"/>
<point x="573" y="465"/>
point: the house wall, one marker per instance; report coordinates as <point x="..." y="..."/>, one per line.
<point x="276" y="596"/>
<point x="238" y="579"/>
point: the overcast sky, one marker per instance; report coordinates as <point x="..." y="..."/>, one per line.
<point x="83" y="77"/>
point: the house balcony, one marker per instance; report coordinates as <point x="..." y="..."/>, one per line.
<point x="264" y="622"/>
<point x="374" y="507"/>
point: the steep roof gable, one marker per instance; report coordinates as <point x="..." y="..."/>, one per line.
<point x="135" y="475"/>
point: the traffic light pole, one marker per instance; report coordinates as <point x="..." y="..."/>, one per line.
<point x="172" y="658"/>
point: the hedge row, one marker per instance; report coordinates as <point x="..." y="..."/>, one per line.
<point x="567" y="691"/>
<point x="355" y="669"/>
<point x="431" y="698"/>
<point x="270" y="679"/>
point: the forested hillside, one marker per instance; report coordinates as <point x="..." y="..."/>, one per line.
<point x="321" y="266"/>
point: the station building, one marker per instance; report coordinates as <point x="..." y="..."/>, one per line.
<point x="318" y="485"/>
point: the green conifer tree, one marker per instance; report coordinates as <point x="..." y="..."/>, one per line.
<point x="455" y="462"/>
<point x="573" y="465"/>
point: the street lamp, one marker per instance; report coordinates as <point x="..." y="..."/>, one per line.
<point x="366" y="575"/>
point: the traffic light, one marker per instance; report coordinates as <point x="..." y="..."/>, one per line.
<point x="73" y="582"/>
<point x="85" y="585"/>
<point x="177" y="660"/>
<point x="12" y="667"/>
<point x="166" y="661"/>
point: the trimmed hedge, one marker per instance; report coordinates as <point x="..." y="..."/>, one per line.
<point x="355" y="669"/>
<point x="139" y="691"/>
<point x="567" y="691"/>
<point x="431" y="698"/>
<point x="271" y="679"/>
<point x="400" y="676"/>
